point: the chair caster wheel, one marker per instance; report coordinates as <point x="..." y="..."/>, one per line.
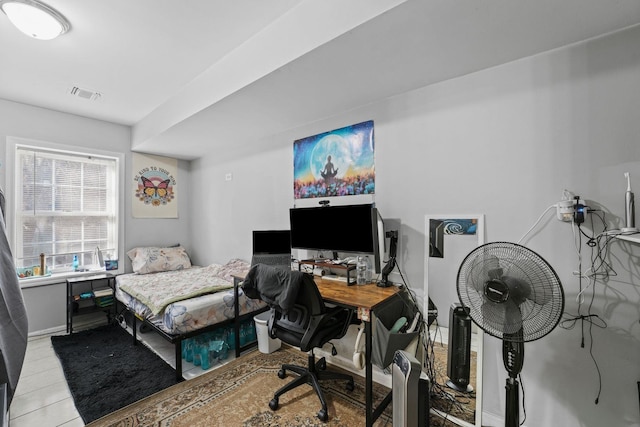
<point x="322" y="415"/>
<point x="282" y="374"/>
<point x="273" y="404"/>
<point x="322" y="364"/>
<point x="350" y="386"/>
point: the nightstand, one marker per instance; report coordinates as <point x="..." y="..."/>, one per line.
<point x="90" y="294"/>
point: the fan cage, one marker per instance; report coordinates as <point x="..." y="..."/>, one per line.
<point x="540" y="311"/>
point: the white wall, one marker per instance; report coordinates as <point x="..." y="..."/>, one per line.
<point x="257" y="197"/>
<point x="504" y="142"/>
<point x="46" y="305"/>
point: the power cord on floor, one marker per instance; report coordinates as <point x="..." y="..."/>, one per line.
<point x="438" y="392"/>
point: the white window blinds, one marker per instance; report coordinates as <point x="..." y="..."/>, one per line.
<point x="66" y="204"/>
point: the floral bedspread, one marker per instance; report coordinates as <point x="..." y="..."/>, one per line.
<point x="157" y="290"/>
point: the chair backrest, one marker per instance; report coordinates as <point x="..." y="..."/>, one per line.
<point x="299" y="316"/>
<point x="292" y="326"/>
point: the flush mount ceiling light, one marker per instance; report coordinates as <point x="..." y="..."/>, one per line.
<point x="35" y="18"/>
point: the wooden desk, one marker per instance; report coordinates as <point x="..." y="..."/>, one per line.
<point x="363" y="299"/>
<point x="367" y="297"/>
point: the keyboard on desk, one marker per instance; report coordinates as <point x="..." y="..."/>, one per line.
<point x="335" y="278"/>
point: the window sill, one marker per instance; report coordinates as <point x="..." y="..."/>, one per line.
<point x="57" y="278"/>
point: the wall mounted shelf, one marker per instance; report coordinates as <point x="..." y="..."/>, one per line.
<point x="634" y="238"/>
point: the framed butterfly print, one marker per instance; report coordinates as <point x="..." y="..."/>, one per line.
<point x="155" y="186"/>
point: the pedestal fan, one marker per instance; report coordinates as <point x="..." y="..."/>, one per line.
<point x="513" y="294"/>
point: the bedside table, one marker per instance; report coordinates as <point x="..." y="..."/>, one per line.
<point x="90" y="294"/>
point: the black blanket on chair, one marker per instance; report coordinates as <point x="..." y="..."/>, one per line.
<point x="275" y="286"/>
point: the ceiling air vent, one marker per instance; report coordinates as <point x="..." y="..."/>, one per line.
<point x="85" y="94"/>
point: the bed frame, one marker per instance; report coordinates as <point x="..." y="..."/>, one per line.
<point x="176" y="339"/>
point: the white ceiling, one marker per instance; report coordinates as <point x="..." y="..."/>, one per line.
<point x="200" y="74"/>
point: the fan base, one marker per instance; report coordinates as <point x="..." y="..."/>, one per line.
<point x="459" y="387"/>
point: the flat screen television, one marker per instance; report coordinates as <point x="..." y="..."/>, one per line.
<point x="271" y="242"/>
<point x="355" y="229"/>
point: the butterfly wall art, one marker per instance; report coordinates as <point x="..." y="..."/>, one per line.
<point x="155" y="187"/>
<point x="154" y="191"/>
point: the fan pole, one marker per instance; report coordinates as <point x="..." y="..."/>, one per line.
<point x="513" y="403"/>
<point x="513" y="359"/>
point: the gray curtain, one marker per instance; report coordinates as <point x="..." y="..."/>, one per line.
<point x="14" y="328"/>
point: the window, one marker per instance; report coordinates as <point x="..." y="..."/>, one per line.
<point x="66" y="203"/>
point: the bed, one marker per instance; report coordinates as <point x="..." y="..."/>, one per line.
<point x="178" y="300"/>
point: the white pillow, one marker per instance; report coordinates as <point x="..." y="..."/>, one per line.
<point x="146" y="260"/>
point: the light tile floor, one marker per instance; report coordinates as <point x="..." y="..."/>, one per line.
<point x="43" y="398"/>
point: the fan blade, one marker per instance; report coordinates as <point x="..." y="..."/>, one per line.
<point x="513" y="317"/>
<point x="492" y="318"/>
<point x="482" y="270"/>
<point x="501" y="318"/>
<point x="519" y="290"/>
<point x="542" y="295"/>
<point x="491" y="264"/>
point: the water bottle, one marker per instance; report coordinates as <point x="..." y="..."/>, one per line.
<point x="361" y="271"/>
<point x="368" y="273"/>
<point x="74" y="264"/>
<point x="231" y="337"/>
<point x="189" y="351"/>
<point x="205" y="362"/>
<point x="251" y="335"/>
<point x="243" y="335"/>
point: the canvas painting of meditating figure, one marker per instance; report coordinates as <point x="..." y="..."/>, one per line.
<point x="335" y="163"/>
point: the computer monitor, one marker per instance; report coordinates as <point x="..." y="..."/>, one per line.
<point x="356" y="229"/>
<point x="272" y="247"/>
<point x="271" y="241"/>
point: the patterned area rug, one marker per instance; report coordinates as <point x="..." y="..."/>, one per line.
<point x="238" y="394"/>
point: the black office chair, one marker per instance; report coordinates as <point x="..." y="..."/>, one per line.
<point x="309" y="323"/>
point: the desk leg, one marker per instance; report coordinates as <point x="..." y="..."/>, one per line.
<point x="69" y="308"/>
<point x="368" y="374"/>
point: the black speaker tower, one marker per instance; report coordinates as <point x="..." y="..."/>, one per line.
<point x="459" y="355"/>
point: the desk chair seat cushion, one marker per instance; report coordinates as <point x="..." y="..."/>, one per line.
<point x="277" y="287"/>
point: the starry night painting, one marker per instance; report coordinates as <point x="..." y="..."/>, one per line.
<point x="335" y="163"/>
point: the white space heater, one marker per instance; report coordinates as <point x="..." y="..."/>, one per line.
<point x="410" y="387"/>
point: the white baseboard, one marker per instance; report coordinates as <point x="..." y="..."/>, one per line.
<point x="85" y="322"/>
<point x="49" y="331"/>
<point x="492" y="420"/>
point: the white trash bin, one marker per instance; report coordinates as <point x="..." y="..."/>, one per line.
<point x="266" y="344"/>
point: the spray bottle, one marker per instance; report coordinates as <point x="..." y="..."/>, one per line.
<point x="629" y="208"/>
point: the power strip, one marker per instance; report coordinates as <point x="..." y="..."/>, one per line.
<point x="572" y="210"/>
<point x="564" y="210"/>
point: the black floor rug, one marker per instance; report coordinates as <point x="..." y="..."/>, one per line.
<point x="106" y="372"/>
